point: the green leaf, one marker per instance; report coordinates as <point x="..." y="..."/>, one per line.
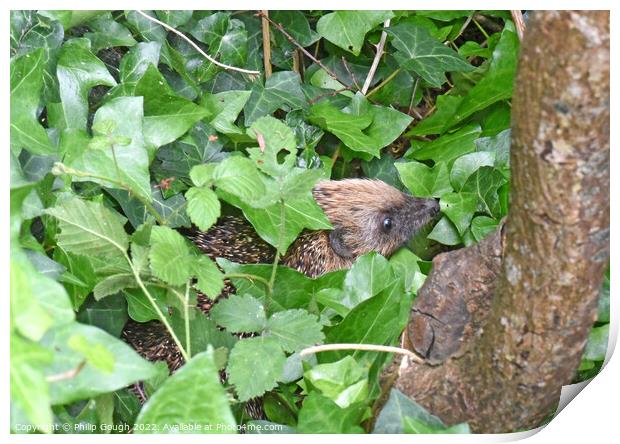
<point x="319" y="414"/>
<point x="449" y="146"/>
<point x="497" y="83"/>
<point x="460" y="209"/>
<point x="482" y="226"/>
<point x="113" y="284"/>
<point x="174" y="18"/>
<point x="122" y="155"/>
<point x="464" y="166"/>
<point x="224" y="108"/>
<point x="170" y="257"/>
<point x="255" y="365"/>
<point x="273" y="136"/>
<point x="89" y="228"/>
<point x="166" y="115"/>
<point x="210" y="278"/>
<point x="294" y="329"/>
<point x="134" y="64"/>
<point x="596" y="347"/>
<point x="368" y="276"/>
<point x="78" y="71"/>
<point x="240" y="314"/>
<point x="424" y="181"/>
<point x="226" y="37"/>
<point x="416" y="426"/>
<point x="296" y="24"/>
<point x="30" y="392"/>
<point x="485" y="183"/>
<point x="436" y="123"/>
<point x="108" y="33"/>
<point x="95" y="354"/>
<point x="90" y="381"/>
<point x="418" y="51"/>
<point x="445" y="232"/>
<point x="347" y="29"/>
<point x="109" y="314"/>
<point x="205" y="404"/>
<point x="238" y="176"/>
<point x="397" y="408"/>
<point x="26" y="86"/>
<point x="203" y="207"/>
<point x="283" y="88"/>
<point x="344" y="381"/>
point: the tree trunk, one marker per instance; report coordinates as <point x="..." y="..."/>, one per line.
<point x="503" y="324"/>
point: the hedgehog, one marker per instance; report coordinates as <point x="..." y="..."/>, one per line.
<point x="366" y="215"/>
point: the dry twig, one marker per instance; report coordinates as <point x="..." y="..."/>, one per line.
<point x="375" y="62"/>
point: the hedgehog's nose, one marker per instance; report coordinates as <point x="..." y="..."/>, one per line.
<point x="432" y="206"/>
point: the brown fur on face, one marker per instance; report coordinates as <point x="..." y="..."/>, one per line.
<point x="359" y="208"/>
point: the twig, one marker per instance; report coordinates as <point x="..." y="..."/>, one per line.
<point x="365" y="347"/>
<point x="195" y="46"/>
<point x="415" y="89"/>
<point x="290" y="38"/>
<point x="484" y="33"/>
<point x="70" y="374"/>
<point x="385" y="82"/>
<point x="266" y="44"/>
<point x="467" y="22"/>
<point x="329" y="94"/>
<point x="517" y="17"/>
<point x="346" y="66"/>
<point x="377" y="59"/>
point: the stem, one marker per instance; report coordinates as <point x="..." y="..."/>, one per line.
<point x="382" y="84"/>
<point x="63" y="169"/>
<point x="266" y="44"/>
<point x="186" y="316"/>
<point x="251" y="278"/>
<point x="484" y="33"/>
<point x="195" y="46"/>
<point x="377" y="59"/>
<point x="276" y="260"/>
<point x="415" y="89"/>
<point x="161" y="315"/>
<point x="366" y="347"/>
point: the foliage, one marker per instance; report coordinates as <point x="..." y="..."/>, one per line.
<point x="122" y="132"/>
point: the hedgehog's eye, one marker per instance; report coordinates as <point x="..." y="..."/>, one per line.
<point x="387" y="224"/>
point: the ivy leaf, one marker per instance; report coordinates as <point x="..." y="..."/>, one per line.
<point x="226" y="37"/>
<point x="89" y="228"/>
<point x="91" y="380"/>
<point x="482" y="226"/>
<point x="166" y="116"/>
<point x="108" y="33"/>
<point x="497" y="83"/>
<point x="170" y="257"/>
<point x="418" y="51"/>
<point x="255" y="365"/>
<point x="294" y="329"/>
<point x="174" y="18"/>
<point x="120" y="154"/>
<point x="464" y="166"/>
<point x="150" y="31"/>
<point x="445" y="232"/>
<point x="203" y="207"/>
<point x="424" y="181"/>
<point x="460" y="209"/>
<point x="485" y="183"/>
<point x="26" y="86"/>
<point x="205" y="403"/>
<point x="297" y="25"/>
<point x="282" y="88"/>
<point x="449" y="146"/>
<point x="319" y="414"/>
<point x="134" y="64"/>
<point x="78" y="71"/>
<point x="347" y="29"/>
<point x="344" y="381"/>
<point x="436" y="123"/>
<point x="240" y="314"/>
<point x="224" y="108"/>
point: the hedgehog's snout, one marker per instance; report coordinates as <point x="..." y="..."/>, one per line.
<point x="421" y="211"/>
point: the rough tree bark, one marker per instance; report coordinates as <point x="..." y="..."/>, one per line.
<point x="503" y="324"/>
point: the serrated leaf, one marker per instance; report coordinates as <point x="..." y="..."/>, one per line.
<point x="26" y="86"/>
<point x="294" y="329"/>
<point x="203" y="207"/>
<point x="90" y="381"/>
<point x="205" y="403"/>
<point x="240" y="314"/>
<point x="418" y="51"/>
<point x="347" y="29"/>
<point x="95" y="354"/>
<point x="282" y="88"/>
<point x="170" y="256"/>
<point x="424" y="181"/>
<point x="238" y="176"/>
<point x="89" y="228"/>
<point x="78" y="71"/>
<point x="273" y="137"/>
<point x="210" y="278"/>
<point x="113" y="284"/>
<point x="255" y="365"/>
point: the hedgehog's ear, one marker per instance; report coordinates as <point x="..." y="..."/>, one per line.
<point x="336" y="240"/>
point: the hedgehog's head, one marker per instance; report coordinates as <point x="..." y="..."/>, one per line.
<point x="370" y="215"/>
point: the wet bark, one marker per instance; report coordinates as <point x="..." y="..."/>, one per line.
<point x="503" y="324"/>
